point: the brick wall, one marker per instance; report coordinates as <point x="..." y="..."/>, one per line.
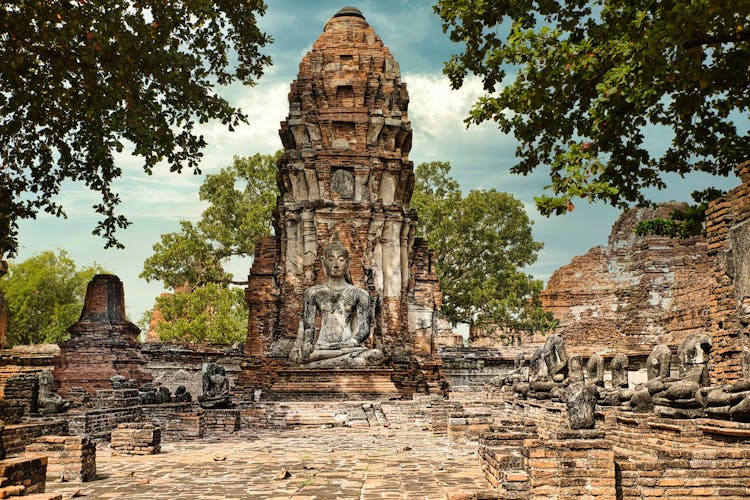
<point x="99" y="423"/>
<point x="22" y="476"/>
<point x="172" y="365"/>
<point x="727" y="230"/>
<point x="178" y="421"/>
<point x="70" y="458"/>
<point x="633" y="293"/>
<point x="639" y="454"/>
<point x="16" y="436"/>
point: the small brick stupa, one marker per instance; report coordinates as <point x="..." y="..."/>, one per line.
<point x="103" y="342"/>
<point x="345" y="174"/>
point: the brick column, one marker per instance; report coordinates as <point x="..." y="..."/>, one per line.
<point x="572" y="463"/>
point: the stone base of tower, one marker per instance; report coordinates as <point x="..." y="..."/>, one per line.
<point x="293" y="384"/>
<point x="274" y="380"/>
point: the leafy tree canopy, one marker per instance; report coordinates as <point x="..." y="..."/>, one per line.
<point x="581" y="84"/>
<point x="480" y="241"/>
<point x="184" y="258"/>
<point x="83" y="80"/>
<point x="44" y="295"/>
<point x="241" y="198"/>
<point x="209" y="313"/>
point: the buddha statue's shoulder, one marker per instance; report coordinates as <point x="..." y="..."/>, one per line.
<point x="315" y="290"/>
<point x="360" y="293"/>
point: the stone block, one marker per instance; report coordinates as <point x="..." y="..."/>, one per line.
<point x="136" y="438"/>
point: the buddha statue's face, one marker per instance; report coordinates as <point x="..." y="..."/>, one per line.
<point x="336" y="261"/>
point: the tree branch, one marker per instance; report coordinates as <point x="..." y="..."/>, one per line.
<point x="703" y="39"/>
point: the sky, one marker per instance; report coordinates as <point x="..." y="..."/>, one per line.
<point x="480" y="156"/>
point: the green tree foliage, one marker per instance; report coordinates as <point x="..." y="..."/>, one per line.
<point x="581" y="84"/>
<point x="44" y="295"/>
<point x="204" y="308"/>
<point x="184" y="258"/>
<point x="480" y="241"/>
<point x="81" y="80"/>
<point x="209" y="313"/>
<point x="683" y="223"/>
<point x="241" y="198"/>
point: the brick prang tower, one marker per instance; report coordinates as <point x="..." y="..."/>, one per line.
<point x="346" y="172"/>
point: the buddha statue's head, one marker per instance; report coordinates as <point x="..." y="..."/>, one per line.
<point x="336" y="260"/>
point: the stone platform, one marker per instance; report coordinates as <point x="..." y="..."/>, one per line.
<point x="322" y="464"/>
<point x="333" y="384"/>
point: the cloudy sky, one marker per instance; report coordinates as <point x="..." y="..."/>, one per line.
<point x="480" y="156"/>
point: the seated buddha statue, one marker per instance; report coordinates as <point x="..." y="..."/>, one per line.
<point x="344" y="311"/>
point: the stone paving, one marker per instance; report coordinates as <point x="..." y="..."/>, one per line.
<point x="322" y="463"/>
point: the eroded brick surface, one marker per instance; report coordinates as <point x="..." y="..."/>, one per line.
<point x="103" y="342"/>
<point x="633" y="293"/>
<point x="70" y="458"/>
<point x="727" y="230"/>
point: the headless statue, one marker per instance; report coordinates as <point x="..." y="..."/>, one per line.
<point x="48" y="401"/>
<point x="344" y="311"/>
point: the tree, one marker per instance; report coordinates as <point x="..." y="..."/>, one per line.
<point x="209" y="313"/>
<point x="44" y="295"/>
<point x="241" y="198"/>
<point x="184" y="258"/>
<point x="480" y="241"/>
<point x="581" y="84"/>
<point x="83" y="80"/>
<point x="204" y="308"/>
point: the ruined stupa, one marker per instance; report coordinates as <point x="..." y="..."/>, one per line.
<point x="346" y="176"/>
<point x="103" y="343"/>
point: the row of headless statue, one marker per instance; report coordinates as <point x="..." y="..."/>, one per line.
<point x="214" y="380"/>
<point x="552" y="374"/>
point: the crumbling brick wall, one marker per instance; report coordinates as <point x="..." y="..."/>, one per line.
<point x="728" y="233"/>
<point x="635" y="292"/>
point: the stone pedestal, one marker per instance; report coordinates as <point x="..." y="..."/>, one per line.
<point x="70" y="458"/>
<point x="571" y="464"/>
<point x="333" y="384"/>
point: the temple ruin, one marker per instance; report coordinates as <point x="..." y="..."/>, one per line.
<point x="345" y="174"/>
<point x="341" y="391"/>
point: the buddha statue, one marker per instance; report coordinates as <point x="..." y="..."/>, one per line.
<point x="344" y="313"/>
